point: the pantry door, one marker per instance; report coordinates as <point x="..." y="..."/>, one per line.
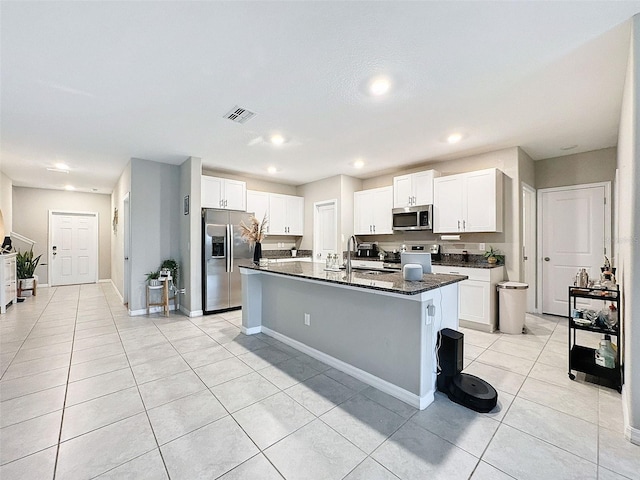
<point x="325" y="229"/>
<point x="73" y="248"/>
<point x="574" y="233"/>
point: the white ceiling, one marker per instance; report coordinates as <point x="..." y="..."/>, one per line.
<point x="92" y="84"/>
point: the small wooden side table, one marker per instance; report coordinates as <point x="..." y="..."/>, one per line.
<point x="32" y="289"/>
<point x="164" y="297"/>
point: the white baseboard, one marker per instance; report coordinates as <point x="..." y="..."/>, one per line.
<point x="630" y="433"/>
<point x="389" y="388"/>
<point x="105" y="280"/>
<point x="191" y="314"/>
<point x="117" y="292"/>
<point x="251" y="331"/>
<point x="143" y="311"/>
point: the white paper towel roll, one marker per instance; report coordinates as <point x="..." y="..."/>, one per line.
<point x="412" y="271"/>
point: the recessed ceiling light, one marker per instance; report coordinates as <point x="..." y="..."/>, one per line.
<point x="62" y="166"/>
<point x="454" y="138"/>
<point x="272" y="170"/>
<point x="277" y="139"/>
<point x="358" y="163"/>
<point x="379" y="86"/>
<point x="69" y="187"/>
<point x="569" y="147"/>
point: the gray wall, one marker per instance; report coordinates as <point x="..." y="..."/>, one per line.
<point x="628" y="232"/>
<point x="337" y="187"/>
<point x="190" y="235"/>
<point x="578" y="169"/>
<point x="31" y="218"/>
<point x="6" y="202"/>
<point x="155" y="207"/>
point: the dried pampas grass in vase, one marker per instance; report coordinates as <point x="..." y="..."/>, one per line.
<point x="254" y="234"/>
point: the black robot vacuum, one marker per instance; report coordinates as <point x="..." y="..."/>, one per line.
<point x="462" y="388"/>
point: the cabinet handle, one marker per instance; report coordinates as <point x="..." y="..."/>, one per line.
<point x="374" y="229"/>
<point x="464" y="224"/>
<point x="458" y="225"/>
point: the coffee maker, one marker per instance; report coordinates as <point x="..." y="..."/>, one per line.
<point x="436" y="252"/>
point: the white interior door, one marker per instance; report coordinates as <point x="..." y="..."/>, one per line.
<point x="529" y="243"/>
<point x="325" y="231"/>
<point x="575" y="221"/>
<point x="73" y="248"/>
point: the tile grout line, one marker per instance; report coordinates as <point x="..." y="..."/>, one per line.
<point x="66" y="388"/>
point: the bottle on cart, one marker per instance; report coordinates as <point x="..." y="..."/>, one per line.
<point x="605" y="356"/>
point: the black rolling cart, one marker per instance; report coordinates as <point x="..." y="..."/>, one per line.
<point x="581" y="358"/>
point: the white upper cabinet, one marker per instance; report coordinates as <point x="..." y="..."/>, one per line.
<point x="414" y="189"/>
<point x="258" y="204"/>
<point x="284" y="212"/>
<point x="224" y="193"/>
<point x="468" y="202"/>
<point x="372" y="211"/>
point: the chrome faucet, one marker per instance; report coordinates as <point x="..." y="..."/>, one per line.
<point x="351" y="243"/>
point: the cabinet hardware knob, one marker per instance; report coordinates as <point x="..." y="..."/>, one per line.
<point x="546" y="259"/>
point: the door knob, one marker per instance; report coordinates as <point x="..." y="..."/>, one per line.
<point x="546" y="259"/>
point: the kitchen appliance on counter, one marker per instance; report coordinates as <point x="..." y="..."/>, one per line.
<point x="436" y="252"/>
<point x="222" y="249"/>
<point x="367" y="250"/>
<point x="413" y="218"/>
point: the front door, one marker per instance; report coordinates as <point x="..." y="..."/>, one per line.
<point x="573" y="229"/>
<point x="325" y="235"/>
<point x="73" y="248"/>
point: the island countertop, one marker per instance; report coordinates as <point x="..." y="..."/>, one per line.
<point x="383" y="281"/>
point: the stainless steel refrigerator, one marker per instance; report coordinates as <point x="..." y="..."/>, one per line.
<point x="222" y="249"/>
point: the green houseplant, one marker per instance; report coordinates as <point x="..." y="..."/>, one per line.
<point x="152" y="278"/>
<point x="493" y="255"/>
<point x="171" y="265"/>
<point x="26" y="265"/>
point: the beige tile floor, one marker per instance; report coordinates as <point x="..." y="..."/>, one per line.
<point x="88" y="392"/>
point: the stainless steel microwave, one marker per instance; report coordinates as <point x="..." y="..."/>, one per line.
<point x="413" y="218"/>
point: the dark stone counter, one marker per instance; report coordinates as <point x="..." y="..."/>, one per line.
<point x="382" y="281"/>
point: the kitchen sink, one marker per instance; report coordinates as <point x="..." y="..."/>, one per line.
<point x="376" y="272"/>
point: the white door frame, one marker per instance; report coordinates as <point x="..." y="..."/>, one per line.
<point x="529" y="236"/>
<point x="316" y="219"/>
<point x="607" y="225"/>
<point x="126" y="260"/>
<point x="49" y="240"/>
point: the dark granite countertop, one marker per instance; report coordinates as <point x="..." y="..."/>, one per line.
<point x="383" y="281"/>
<point x="451" y="262"/>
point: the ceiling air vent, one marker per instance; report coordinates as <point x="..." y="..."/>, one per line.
<point x="239" y="115"/>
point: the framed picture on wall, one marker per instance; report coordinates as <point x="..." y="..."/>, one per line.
<point x="186" y="204"/>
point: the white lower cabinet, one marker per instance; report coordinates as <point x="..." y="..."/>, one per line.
<point x="478" y="299"/>
<point x="8" y="285"/>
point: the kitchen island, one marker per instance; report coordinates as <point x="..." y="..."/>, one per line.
<point x="374" y="326"/>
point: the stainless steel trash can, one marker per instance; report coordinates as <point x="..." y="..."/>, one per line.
<point x="512" y="304"/>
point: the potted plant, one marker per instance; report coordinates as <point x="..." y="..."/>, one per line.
<point x="152" y="278"/>
<point x="25" y="269"/>
<point x="171" y="266"/>
<point x="494" y="256"/>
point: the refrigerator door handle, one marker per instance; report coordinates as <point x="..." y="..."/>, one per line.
<point x="230" y="248"/>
